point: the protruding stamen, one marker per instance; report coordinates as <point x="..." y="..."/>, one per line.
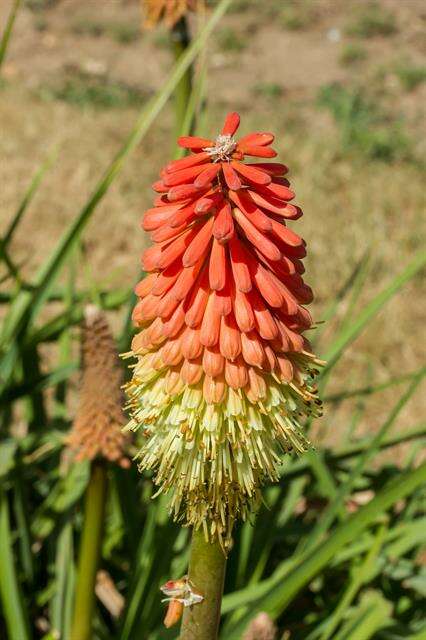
<point x="223" y="149"/>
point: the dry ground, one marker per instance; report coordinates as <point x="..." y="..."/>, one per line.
<point x="269" y="60"/>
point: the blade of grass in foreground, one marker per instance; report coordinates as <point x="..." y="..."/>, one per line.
<point x="353" y="285"/>
<point x="352" y="330"/>
<point x="359" y="575"/>
<point x="373" y="613"/>
<point x="371" y="389"/>
<point x="61" y="601"/>
<point x="27" y="305"/>
<point x="333" y="508"/>
<point x="14" y="612"/>
<point x="4" y="42"/>
<point x="28" y="196"/>
<point x="280" y="591"/>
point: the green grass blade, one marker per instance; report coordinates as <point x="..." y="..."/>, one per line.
<point x="352" y="331"/>
<point x="4" y="42"/>
<point x="26" y="200"/>
<point x="352" y="283"/>
<point x="14" y="612"/>
<point x="27" y="306"/>
<point x="359" y="576"/>
<point x="373" y="613"/>
<point x="194" y="103"/>
<point x="62" y="497"/>
<point x="300" y="466"/>
<point x="355" y="290"/>
<point x="64" y="572"/>
<point x="37" y="384"/>
<point x="12" y="268"/>
<point x="31" y="368"/>
<point x="70" y="317"/>
<point x="21" y="507"/>
<point x="325" y="482"/>
<point x="333" y="508"/>
<point x="371" y="389"/>
<point x="421" y="635"/>
<point x="274" y="594"/>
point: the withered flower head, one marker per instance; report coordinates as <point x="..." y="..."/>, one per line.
<point x="262" y="627"/>
<point x="168" y="11"/>
<point x="224" y="376"/>
<point x="97" y="429"/>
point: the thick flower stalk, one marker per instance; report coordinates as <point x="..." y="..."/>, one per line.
<point x="223" y="376"/>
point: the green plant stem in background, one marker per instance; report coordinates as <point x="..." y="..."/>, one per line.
<point x="182" y="94"/>
<point x="206" y="575"/>
<point x="4" y="41"/>
<point x="90" y="550"/>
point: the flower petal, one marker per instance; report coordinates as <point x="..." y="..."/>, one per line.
<point x="256" y="237"/>
<point x="199" y="243"/>
<point x="223" y="228"/>
<point x="210" y="325"/>
<point x="217" y="266"/>
<point x="231" y="178"/>
<point x="230" y="340"/>
<point x="240" y="265"/>
<point x="206" y="177"/>
<point x="250" y="173"/>
<point x="194" y="142"/>
<point x="258" y="139"/>
<point x="232" y="122"/>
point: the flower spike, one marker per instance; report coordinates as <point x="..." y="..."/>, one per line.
<point x="223" y="376"/>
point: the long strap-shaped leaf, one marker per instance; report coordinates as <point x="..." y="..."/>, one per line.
<point x="330" y="512"/>
<point x="352" y="331"/>
<point x="27" y="305"/>
<point x="14" y="612"/>
<point x="28" y="196"/>
<point x="277" y="594"/>
<point x="372" y="389"/>
<point x="4" y="41"/>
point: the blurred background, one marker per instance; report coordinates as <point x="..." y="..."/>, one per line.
<point x="342" y="85"/>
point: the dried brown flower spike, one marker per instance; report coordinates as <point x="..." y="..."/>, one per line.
<point x="261" y="627"/>
<point x="168" y="11"/>
<point x="97" y="428"/>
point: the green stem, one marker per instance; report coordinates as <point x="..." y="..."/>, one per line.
<point x="206" y="575"/>
<point x="182" y="93"/>
<point x="90" y="550"/>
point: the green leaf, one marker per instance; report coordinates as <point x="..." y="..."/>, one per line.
<point x="417" y="583"/>
<point x="8" y="30"/>
<point x="359" y="575"/>
<point x="353" y="283"/>
<point x="373" y="613"/>
<point x="38" y="384"/>
<point x="26" y="200"/>
<point x="352" y="331"/>
<point x="8" y="450"/>
<point x="14" y="612"/>
<point x="62" y="497"/>
<point x="335" y="506"/>
<point x="274" y="594"/>
<point x="372" y="389"/>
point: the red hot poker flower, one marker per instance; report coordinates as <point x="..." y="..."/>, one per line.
<point x="223" y="371"/>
